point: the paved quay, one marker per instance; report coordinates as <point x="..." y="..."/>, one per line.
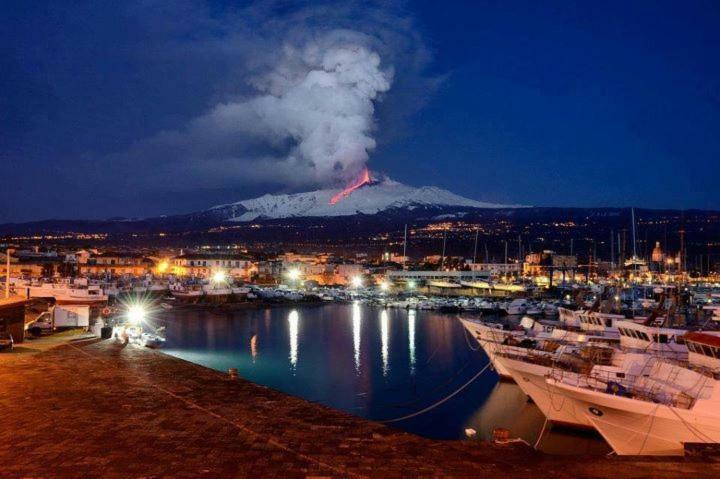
<point x="90" y="408"/>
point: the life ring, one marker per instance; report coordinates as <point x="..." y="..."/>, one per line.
<point x="106" y="311"/>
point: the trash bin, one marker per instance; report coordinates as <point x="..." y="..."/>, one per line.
<point x="106" y="332"/>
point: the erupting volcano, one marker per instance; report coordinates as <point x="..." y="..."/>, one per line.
<point x="363" y="179"/>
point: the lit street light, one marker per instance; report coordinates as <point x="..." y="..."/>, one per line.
<point x="356" y="282"/>
<point x="219" y="277"/>
<point x="136" y="314"/>
<point x="293" y="274"/>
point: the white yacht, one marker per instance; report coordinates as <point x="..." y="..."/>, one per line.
<point x="67" y="293"/>
<point x="657" y="410"/>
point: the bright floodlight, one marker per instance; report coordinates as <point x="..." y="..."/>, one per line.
<point x="219" y="277"/>
<point x="411" y="284"/>
<point x="136" y="314"/>
<point x="356" y="282"/>
<point x="384" y="285"/>
<point x="293" y="274"/>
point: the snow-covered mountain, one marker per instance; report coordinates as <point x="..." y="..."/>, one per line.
<point x="369" y="199"/>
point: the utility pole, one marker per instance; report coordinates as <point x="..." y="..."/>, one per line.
<point x="506" y="254"/>
<point x="487" y="254"/>
<point x="612" y="249"/>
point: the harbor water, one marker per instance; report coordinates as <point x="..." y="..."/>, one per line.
<point x="380" y="364"/>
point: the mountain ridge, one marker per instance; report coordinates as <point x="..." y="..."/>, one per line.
<point x="370" y="199"/>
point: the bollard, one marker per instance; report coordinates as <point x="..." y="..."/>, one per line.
<point x="233" y="372"/>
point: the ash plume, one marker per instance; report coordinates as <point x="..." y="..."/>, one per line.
<point x="318" y="101"/>
<point x="295" y="105"/>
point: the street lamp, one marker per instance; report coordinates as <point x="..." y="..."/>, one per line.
<point x="411" y="284"/>
<point x="293" y="274"/>
<point x="136" y="314"/>
<point x="356" y="282"/>
<point x="219" y="276"/>
<point x="384" y="285"/>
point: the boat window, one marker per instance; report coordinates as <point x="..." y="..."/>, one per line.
<point x="633" y="333"/>
<point x="691" y="347"/>
<point x="644" y="336"/>
<point x="660" y="338"/>
<point x="679" y="339"/>
<point x="706" y="350"/>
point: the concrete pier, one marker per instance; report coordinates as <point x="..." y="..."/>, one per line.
<point x="100" y="409"/>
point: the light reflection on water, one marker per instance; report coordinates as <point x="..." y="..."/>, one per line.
<point x="375" y="363"/>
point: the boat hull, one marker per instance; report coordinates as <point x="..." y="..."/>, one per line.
<point x="633" y="427"/>
<point x="531" y="379"/>
<point x="490" y="340"/>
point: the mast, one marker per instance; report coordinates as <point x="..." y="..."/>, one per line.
<point x="634" y="235"/>
<point x="519" y="248"/>
<point x="477" y="232"/>
<point x="405" y="248"/>
<point x="442" y="261"/>
<point x="7" y="274"/>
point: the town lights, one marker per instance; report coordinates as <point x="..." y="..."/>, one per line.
<point x="356" y="282"/>
<point x="219" y="277"/>
<point x="136" y="314"/>
<point x="384" y="285"/>
<point x="163" y="267"/>
<point x="411" y="284"/>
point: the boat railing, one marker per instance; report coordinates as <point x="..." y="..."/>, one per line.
<point x="637" y="386"/>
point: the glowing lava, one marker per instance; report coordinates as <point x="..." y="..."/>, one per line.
<point x="363" y="179"/>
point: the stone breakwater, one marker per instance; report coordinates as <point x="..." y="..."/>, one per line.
<point x="100" y="409"/>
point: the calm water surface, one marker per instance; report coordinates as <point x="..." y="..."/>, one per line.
<point x="376" y="363"/>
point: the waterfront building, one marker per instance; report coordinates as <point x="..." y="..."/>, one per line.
<point x="201" y="265"/>
<point x="116" y="264"/>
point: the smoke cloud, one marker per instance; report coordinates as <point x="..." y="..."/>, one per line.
<point x="317" y="101"/>
<point x="296" y="105"/>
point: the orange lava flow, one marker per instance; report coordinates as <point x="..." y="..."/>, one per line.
<point x="362" y="180"/>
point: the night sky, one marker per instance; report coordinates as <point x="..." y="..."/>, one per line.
<point x="146" y="108"/>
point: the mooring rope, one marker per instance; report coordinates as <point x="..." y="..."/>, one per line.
<point x="443" y="400"/>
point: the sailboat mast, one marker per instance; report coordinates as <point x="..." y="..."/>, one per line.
<point x="405" y="247"/>
<point x="634" y="235"/>
<point x="442" y="261"/>
<point x="477" y="231"/>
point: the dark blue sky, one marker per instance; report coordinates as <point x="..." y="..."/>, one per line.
<point x="543" y="103"/>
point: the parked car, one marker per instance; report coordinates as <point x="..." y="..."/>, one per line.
<point x="6" y="341"/>
<point x="43" y="324"/>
